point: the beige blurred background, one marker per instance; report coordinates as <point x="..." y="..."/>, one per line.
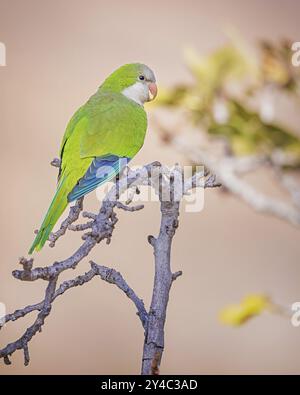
<point x="58" y="52"/>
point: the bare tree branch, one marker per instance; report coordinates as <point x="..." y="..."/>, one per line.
<point x="292" y="186"/>
<point x="66" y="285"/>
<point x="72" y="217"/>
<point x="100" y="227"/>
<point x="55" y="162"/>
<point x="22" y="342"/>
<point x="228" y="170"/>
<point x="113" y="277"/>
<point x="154" y="336"/>
<point x="107" y="274"/>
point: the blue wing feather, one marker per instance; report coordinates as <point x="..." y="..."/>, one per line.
<point x="102" y="169"/>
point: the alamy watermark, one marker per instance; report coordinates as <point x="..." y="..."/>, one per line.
<point x="2" y="314"/>
<point x="2" y="54"/>
<point x="167" y="184"/>
<point x="296" y="55"/>
<point x="295" y="319"/>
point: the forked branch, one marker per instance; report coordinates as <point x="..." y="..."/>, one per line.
<point x="100" y="227"/>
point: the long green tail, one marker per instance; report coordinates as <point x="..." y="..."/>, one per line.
<point x="57" y="207"/>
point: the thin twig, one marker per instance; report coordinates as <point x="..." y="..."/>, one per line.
<point x="106" y="274"/>
<point x="22" y="342"/>
<point x="55" y="162"/>
<point x="113" y="277"/>
<point x="67" y="223"/>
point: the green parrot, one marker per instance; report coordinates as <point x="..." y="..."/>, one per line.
<point x="101" y="137"/>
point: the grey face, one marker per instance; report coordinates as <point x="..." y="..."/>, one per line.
<point x="146" y="74"/>
<point x="144" y="89"/>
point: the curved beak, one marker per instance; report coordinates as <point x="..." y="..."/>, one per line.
<point x="152" y="90"/>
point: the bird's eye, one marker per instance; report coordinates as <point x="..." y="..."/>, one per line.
<point x="141" y="77"/>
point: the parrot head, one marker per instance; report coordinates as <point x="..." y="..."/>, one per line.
<point x="135" y="81"/>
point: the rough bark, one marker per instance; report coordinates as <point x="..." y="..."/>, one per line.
<point x="154" y="334"/>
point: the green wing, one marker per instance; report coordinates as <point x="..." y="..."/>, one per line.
<point x="116" y="125"/>
<point x="108" y="126"/>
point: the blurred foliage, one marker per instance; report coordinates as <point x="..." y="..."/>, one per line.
<point x="251" y="306"/>
<point x="225" y="83"/>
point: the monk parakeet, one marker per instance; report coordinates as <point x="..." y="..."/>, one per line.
<point x="101" y="137"/>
